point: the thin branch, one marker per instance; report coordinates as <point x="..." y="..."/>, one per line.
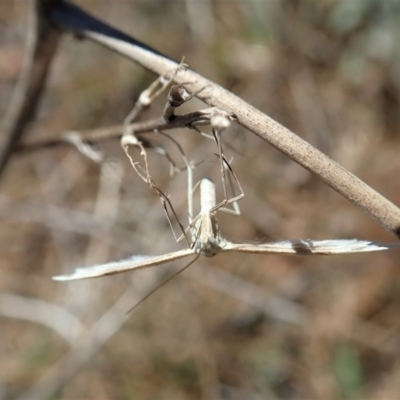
<point x="54" y="217"/>
<point x="83" y="349"/>
<point x="70" y="17"/>
<point x="43" y="313"/>
<point x="189" y="120"/>
<point x="41" y="46"/>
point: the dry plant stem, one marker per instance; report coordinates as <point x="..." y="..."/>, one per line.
<point x="384" y="212"/>
<point x="83" y="349"/>
<point x="97" y="135"/>
<point x="91" y="136"/>
<point x="41" y="312"/>
<point x="41" y="47"/>
<point x="84" y="148"/>
<point x="58" y="218"/>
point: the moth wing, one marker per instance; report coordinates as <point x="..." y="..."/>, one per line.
<point x="129" y="264"/>
<point x="311" y="247"/>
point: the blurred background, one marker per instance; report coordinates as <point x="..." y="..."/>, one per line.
<point x="233" y="326"/>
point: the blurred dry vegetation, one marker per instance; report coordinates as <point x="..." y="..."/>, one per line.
<point x="234" y="326"/>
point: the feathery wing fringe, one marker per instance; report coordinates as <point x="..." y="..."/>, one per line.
<point x="310" y="247"/>
<point x="116" y="267"/>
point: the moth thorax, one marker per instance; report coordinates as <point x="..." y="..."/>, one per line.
<point x="207" y="195"/>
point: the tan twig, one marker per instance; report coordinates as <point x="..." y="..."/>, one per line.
<point x="384" y="212"/>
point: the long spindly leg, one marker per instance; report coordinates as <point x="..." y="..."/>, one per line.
<point x="203" y="230"/>
<point x="192" y="231"/>
<point x="129" y="137"/>
<point x="188" y="232"/>
<point x="165" y="201"/>
<point x="162" y="283"/>
<point x="176" y="97"/>
<point x="85" y="141"/>
<point x="188" y="167"/>
<point x="219" y="120"/>
<point x="206" y="237"/>
<point x="218" y="124"/>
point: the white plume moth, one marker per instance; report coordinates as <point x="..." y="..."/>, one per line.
<point x="207" y="240"/>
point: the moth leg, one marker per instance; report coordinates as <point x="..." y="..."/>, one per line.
<point x="219" y="123"/>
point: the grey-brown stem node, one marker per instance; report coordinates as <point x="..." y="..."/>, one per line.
<point x="129" y="140"/>
<point x="145" y="98"/>
<point x="178" y="95"/>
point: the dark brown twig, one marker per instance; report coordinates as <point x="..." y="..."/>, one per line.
<point x="41" y="46"/>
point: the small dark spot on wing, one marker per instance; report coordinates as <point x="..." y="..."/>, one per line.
<point x="304" y="247"/>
